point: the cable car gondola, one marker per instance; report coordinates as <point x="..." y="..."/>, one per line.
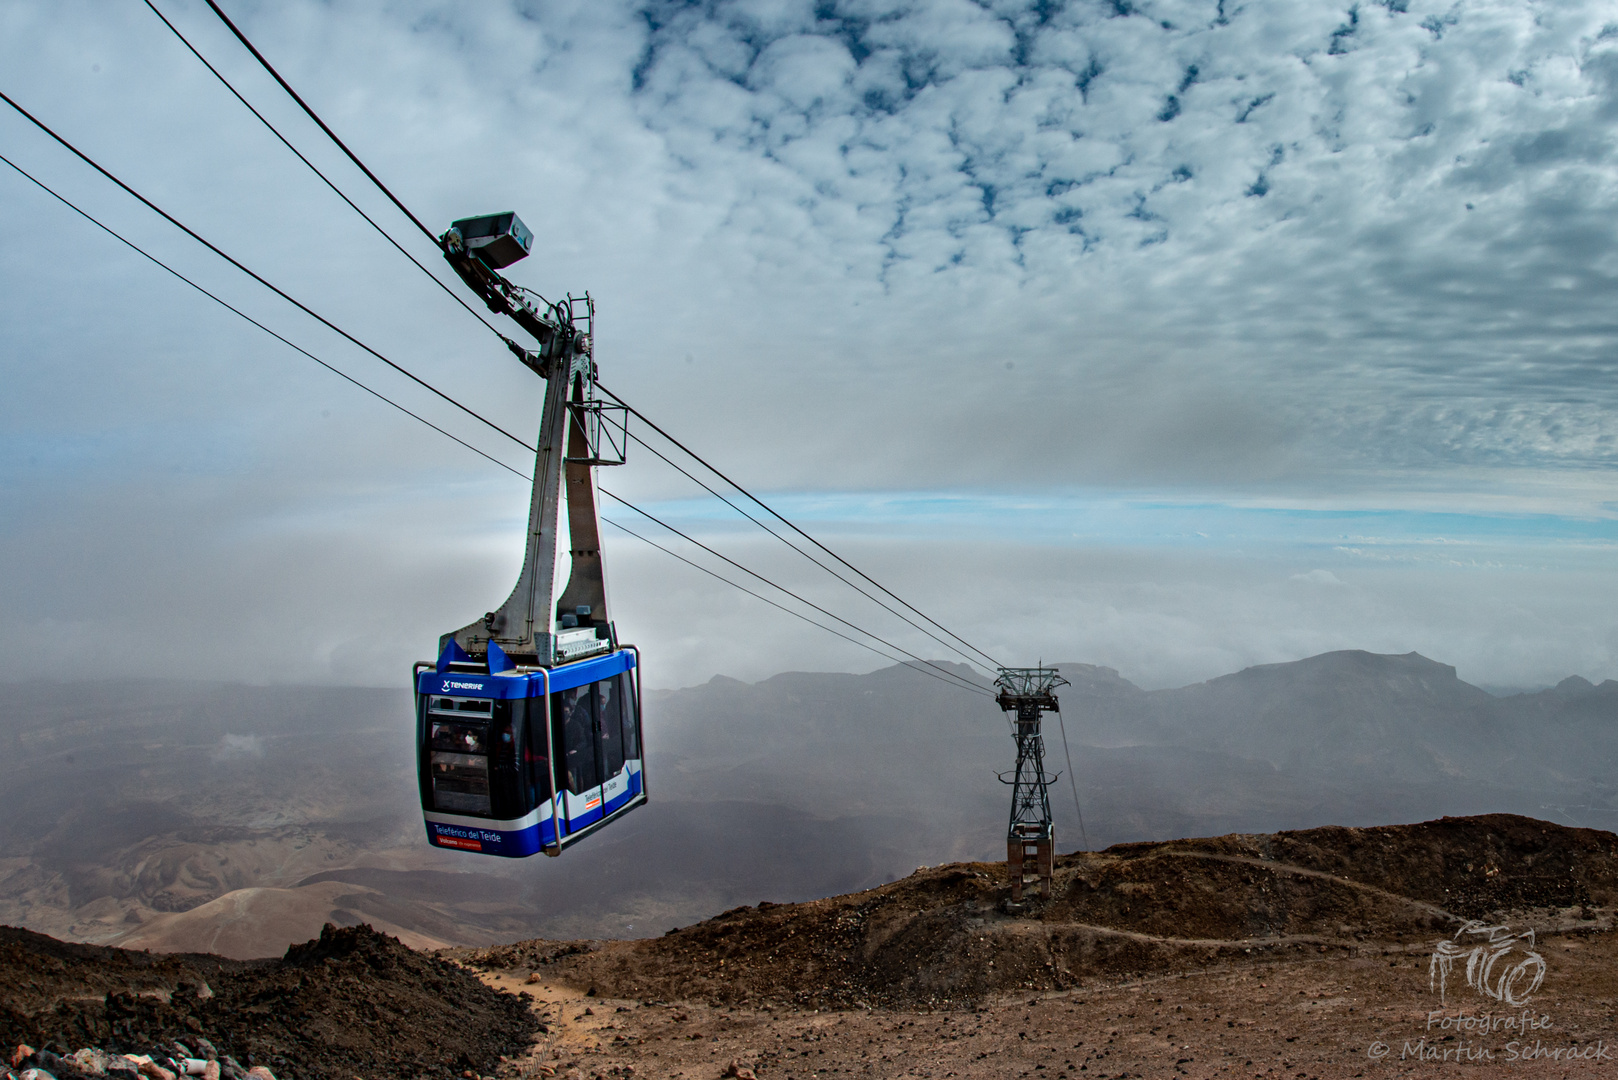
<point x="528" y="724"/>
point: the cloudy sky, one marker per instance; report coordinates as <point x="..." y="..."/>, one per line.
<point x="1175" y="336"/>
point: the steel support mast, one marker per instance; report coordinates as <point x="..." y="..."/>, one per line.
<point x="1031" y="835"/>
<point x="558" y="611"/>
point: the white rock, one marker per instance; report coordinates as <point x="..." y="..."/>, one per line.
<point x="90" y="1060"/>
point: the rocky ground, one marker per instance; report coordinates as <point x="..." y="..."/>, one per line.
<point x="351" y="1003"/>
<point x="1303" y="954"/>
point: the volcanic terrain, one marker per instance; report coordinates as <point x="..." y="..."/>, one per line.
<point x="1296" y="954"/>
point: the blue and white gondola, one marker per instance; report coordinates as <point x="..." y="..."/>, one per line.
<point x="528" y="725"/>
<point x="515" y="763"/>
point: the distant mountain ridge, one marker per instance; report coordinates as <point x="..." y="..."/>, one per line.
<point x="186" y="815"/>
<point x="1400" y="717"/>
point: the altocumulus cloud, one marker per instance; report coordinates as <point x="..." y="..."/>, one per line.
<point x="1371" y="235"/>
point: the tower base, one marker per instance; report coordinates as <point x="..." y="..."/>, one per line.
<point x="1030" y="858"/>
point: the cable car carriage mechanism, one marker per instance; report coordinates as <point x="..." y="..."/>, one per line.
<point x="528" y="734"/>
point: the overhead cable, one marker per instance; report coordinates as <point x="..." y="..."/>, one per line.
<point x="235" y="30"/>
<point x="421" y="419"/>
<point x="305" y="308"/>
<point x="1062" y="726"/>
<point x="807" y="603"/>
<point x="769" y="510"/>
<point x="780" y="607"/>
<point x="897" y="614"/>
<point x="230" y="307"/>
<point x="457" y="297"/>
<point x="241" y="37"/>
<point x="267" y="284"/>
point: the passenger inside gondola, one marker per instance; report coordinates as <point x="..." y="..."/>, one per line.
<point x="578" y="738"/>
<point x="536" y="761"/>
<point x="610" y="720"/>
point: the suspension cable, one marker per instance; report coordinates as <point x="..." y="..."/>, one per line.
<point x="781" y="607"/>
<point x="267" y="284"/>
<point x="807" y="603"/>
<point x="1072" y="779"/>
<point x="234" y="29"/>
<point x="230" y="307"/>
<point x="767" y="509"/>
<point x="305" y="308"/>
<point x="316" y="118"/>
<point x="968" y="657"/>
<point x="240" y="36"/>
<point x="457" y="297"/>
<point x="421" y="419"/>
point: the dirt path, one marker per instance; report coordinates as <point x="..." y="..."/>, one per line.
<point x="1328" y="1017"/>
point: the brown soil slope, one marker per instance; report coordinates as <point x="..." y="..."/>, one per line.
<point x="353" y="1002"/>
<point x="945" y="936"/>
<point x="1296" y="954"/>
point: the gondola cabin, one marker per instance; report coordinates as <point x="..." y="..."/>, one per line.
<point x="528" y="725"/>
<point x="516" y="763"/>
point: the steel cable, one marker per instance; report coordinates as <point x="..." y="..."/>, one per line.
<point x="236" y="31"/>
<point x="230" y="307"/>
<point x="514" y="471"/>
<point x="807" y="603"/>
<point x="241" y="37"/>
<point x="899" y="615"/>
<point x="305" y="308"/>
<point x="993" y="663"/>
<point x="457" y="297"/>
<point x="772" y="603"/>
<point x="767" y="509"/>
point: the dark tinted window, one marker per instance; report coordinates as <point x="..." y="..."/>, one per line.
<point x="459" y="766"/>
<point x="572" y="712"/>
<point x="610" y="718"/>
<point x="631" y="722"/>
<point x="465" y="738"/>
<point x="454" y="705"/>
<point x="536" y="757"/>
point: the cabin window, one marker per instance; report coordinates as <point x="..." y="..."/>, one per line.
<point x="572" y="712"/>
<point x="459" y="764"/>
<point x="631" y="722"/>
<point x="610" y="725"/>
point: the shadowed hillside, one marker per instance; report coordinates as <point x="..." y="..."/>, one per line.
<point x="945" y="935"/>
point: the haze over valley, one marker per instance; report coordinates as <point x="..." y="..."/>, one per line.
<point x="237" y="819"/>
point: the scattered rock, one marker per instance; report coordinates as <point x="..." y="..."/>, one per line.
<point x="739" y="1071"/>
<point x="153" y="1071"/>
<point x="353" y="1003"/>
<point x="91" y="1061"/>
